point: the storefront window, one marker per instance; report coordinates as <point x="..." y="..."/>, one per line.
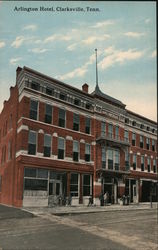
<point x="86" y="185"/>
<point x="74" y="185"/>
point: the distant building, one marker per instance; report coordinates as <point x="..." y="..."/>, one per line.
<point x="58" y="141"/>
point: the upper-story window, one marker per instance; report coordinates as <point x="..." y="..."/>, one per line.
<point x="103" y="157"/>
<point x="9" y="150"/>
<point x="33" y="109"/>
<point x="88" y="126"/>
<point x="32" y="142"/>
<point x="10" y="121"/>
<point x="153" y="145"/>
<point x="62" y="96"/>
<point x="142" y="126"/>
<point x="35" y="86"/>
<point x="148" y="128"/>
<point x="134" y="123"/>
<point x="88" y="106"/>
<point x="62" y="115"/>
<point x="127" y="120"/>
<point x="147" y="143"/>
<point x="77" y="102"/>
<point x="87" y="152"/>
<point x="127" y="160"/>
<point x="133" y="139"/>
<point x="154" y="165"/>
<point x="110" y="130"/>
<point x="49" y="91"/>
<point x="47" y="145"/>
<point x="103" y="128"/>
<point x="76" y="122"/>
<point x="126" y="138"/>
<point x="117" y="132"/>
<point x="75" y="150"/>
<point x="153" y="130"/>
<point x="149" y="164"/>
<point x="134" y="161"/>
<point x="48" y="113"/>
<point x="141" y="141"/>
<point x="117" y="159"/>
<point x="142" y="163"/>
<point x="61" y="148"/>
<point x="110" y="158"/>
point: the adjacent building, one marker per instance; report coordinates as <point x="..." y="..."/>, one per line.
<point x="58" y="141"/>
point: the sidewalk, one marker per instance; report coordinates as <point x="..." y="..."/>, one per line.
<point x="67" y="210"/>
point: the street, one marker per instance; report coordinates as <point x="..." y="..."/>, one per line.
<point x="111" y="230"/>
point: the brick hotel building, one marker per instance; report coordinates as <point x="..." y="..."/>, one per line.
<point x="57" y="140"/>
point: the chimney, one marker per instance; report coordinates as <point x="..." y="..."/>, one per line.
<point x="18" y="70"/>
<point x="85" y="88"/>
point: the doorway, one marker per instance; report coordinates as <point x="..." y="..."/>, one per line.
<point x="55" y="187"/>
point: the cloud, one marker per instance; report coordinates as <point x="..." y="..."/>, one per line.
<point x="72" y="47"/>
<point x="103" y="24"/>
<point x="57" y="37"/>
<point x="134" y="34"/>
<point x="14" y="61"/>
<point x="18" y="41"/>
<point x="148" y="20"/>
<point x="30" y="27"/>
<point x="92" y="39"/>
<point x="154" y="53"/>
<point x="79" y="72"/>
<point x="118" y="56"/>
<point x="38" y="50"/>
<point x="2" y="44"/>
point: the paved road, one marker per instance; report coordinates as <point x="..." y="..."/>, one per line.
<point x="117" y="230"/>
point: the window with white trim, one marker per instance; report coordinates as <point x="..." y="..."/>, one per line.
<point x="142" y="163"/>
<point x="88" y="125"/>
<point x="134" y="161"/>
<point x="33" y="109"/>
<point x="103" y="128"/>
<point x="48" y="113"/>
<point x="75" y="150"/>
<point x="47" y="145"/>
<point x="149" y="164"/>
<point x="87" y="152"/>
<point x="32" y="142"/>
<point x="74" y="183"/>
<point x="62" y="115"/>
<point x="61" y="148"/>
<point x="76" y="122"/>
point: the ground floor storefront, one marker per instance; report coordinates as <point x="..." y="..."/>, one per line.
<point x="46" y="187"/>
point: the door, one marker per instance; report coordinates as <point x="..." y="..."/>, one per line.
<point x="55" y="188"/>
<point x="134" y="193"/>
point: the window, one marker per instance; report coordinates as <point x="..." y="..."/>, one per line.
<point x="88" y="125"/>
<point x="61" y="148"/>
<point x="154" y="165"/>
<point x="142" y="126"/>
<point x="117" y="132"/>
<point x="35" y="179"/>
<point x="88" y="106"/>
<point x="49" y="91"/>
<point x="62" y="96"/>
<point x="126" y="136"/>
<point x="148" y="128"/>
<point x="35" y="86"/>
<point x="134" y="161"/>
<point x="62" y="118"/>
<point x="87" y="152"/>
<point x="142" y="163"/>
<point x="110" y="159"/>
<point x="133" y="139"/>
<point x="86" y="185"/>
<point x="74" y="185"/>
<point x="103" y="128"/>
<point x="9" y="150"/>
<point x="47" y="145"/>
<point x="141" y="141"/>
<point x="127" y="120"/>
<point x="76" y="122"/>
<point x="48" y="113"/>
<point x="33" y="109"/>
<point x="117" y="159"/>
<point x="147" y="143"/>
<point x="153" y="130"/>
<point x="77" y="102"/>
<point x="103" y="157"/>
<point x="10" y="121"/>
<point x="134" y="123"/>
<point x="126" y="160"/>
<point x="153" y="145"/>
<point x="32" y="143"/>
<point x="110" y="130"/>
<point x="75" y="150"/>
<point x="149" y="164"/>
